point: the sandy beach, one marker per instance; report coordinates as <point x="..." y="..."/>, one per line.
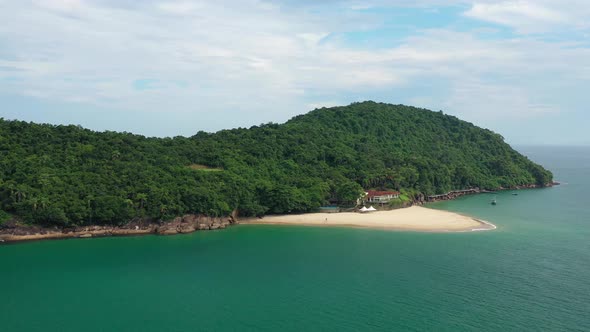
<point x="414" y="218"/>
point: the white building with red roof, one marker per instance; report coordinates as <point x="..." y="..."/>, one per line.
<point x="374" y="196"/>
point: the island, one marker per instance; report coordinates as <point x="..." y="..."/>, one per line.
<point x="64" y="178"/>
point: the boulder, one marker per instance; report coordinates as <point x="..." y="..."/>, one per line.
<point x="187" y="228"/>
<point x="166" y="230"/>
<point x="189" y="218"/>
<point x="170" y="231"/>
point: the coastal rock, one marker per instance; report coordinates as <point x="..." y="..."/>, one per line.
<point x="233" y="220"/>
<point x="189" y="218"/>
<point x="166" y="230"/>
<point x="16" y="231"/>
<point x="186" y="228"/>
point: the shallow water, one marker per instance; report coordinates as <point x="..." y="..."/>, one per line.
<point x="532" y="273"/>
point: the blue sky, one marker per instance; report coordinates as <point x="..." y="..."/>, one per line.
<point x="167" y="68"/>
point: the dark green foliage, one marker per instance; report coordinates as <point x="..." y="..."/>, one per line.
<point x="69" y="175"/>
<point x="347" y="192"/>
<point x="3" y="217"/>
<point x="402" y="201"/>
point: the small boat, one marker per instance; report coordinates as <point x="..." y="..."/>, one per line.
<point x="514" y="194"/>
<point x="494" y="202"/>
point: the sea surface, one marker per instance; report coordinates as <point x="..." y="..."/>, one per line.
<point x="531" y="274"/>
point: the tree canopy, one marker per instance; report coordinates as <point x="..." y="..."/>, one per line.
<point x="68" y="175"/>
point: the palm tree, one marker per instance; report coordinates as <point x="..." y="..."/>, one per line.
<point x="35" y="202"/>
<point x="142" y="199"/>
<point x="115" y="155"/>
<point x="20" y="193"/>
<point x="89" y="200"/>
<point x="43" y="201"/>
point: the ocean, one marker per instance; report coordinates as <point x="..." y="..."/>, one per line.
<point x="531" y="274"/>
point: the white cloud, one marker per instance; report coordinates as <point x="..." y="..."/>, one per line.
<point x="528" y="16"/>
<point x="477" y="100"/>
<point x="507" y="12"/>
<point x="259" y="62"/>
<point x="60" y="5"/>
<point x="179" y="8"/>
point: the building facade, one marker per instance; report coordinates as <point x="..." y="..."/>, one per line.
<point x="374" y="196"/>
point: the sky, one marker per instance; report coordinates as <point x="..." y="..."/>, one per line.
<point x="166" y="68"/>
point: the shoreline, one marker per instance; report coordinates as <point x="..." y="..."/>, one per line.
<point x="454" y="194"/>
<point x="57" y="235"/>
<point x="414" y="218"/>
<point x="192" y="223"/>
<point x="180" y="225"/>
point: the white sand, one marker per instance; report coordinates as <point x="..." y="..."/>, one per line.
<point x="413" y="218"/>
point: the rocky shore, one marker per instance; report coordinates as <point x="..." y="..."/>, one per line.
<point x="458" y="193"/>
<point x="14" y="231"/>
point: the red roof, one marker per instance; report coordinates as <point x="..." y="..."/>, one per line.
<point x="372" y="193"/>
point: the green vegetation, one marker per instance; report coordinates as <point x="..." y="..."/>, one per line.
<point x="204" y="168"/>
<point x="3" y="217"/>
<point x="65" y="175"/>
<point x="402" y="201"/>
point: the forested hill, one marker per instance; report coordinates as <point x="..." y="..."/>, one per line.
<point x="67" y="175"/>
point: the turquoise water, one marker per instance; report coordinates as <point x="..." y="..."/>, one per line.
<point x="533" y="273"/>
